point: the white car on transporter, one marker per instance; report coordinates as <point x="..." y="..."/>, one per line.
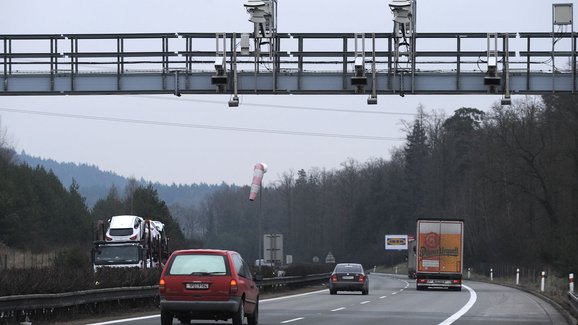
<point x="125" y="228"/>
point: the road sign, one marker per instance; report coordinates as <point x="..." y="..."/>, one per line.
<point x="273" y="248"/>
<point x="330" y="259"/>
<point x="395" y="242"/>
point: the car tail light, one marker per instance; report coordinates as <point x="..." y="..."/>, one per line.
<point x="361" y="278"/>
<point x="234" y="287"/>
<point x="334" y="278"/>
<point x="133" y="237"/>
<point x="162" y="285"/>
<point x="107" y="238"/>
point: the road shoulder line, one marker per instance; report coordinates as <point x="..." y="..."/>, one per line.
<point x="464" y="309"/>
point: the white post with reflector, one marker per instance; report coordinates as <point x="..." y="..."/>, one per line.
<point x="491" y="274"/>
<point x="259" y="171"/>
<point x="542" y="281"/>
<point x="517" y="276"/>
<point x="571" y="283"/>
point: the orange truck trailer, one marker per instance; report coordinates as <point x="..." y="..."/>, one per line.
<point x="440" y="254"/>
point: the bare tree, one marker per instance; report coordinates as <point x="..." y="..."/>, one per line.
<point x="7" y="152"/>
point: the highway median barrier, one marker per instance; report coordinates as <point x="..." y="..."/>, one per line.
<point x="59" y="306"/>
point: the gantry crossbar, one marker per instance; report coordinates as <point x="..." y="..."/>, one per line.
<point x="300" y="63"/>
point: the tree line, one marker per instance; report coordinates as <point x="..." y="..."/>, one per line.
<point x="510" y="173"/>
<point x="38" y="213"/>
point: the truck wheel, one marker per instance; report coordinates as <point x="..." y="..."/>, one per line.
<point x="332" y="291"/>
<point x="166" y="318"/>
<point x="253" y="319"/>
<point x="239" y="315"/>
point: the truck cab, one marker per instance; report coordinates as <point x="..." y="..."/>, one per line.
<point x="127" y="254"/>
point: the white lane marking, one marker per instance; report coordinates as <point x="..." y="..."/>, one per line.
<point x="338" y="309"/>
<point x="382" y="297"/>
<point x="293" y="296"/>
<point x="364" y="302"/>
<point x="461" y="312"/>
<point x="126" y="320"/>
<point x="394" y="293"/>
<point x="292" y="320"/>
<point x="264" y="300"/>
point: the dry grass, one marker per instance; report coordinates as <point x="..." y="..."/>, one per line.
<point x="18" y="259"/>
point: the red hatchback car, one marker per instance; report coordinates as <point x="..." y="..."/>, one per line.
<point x="208" y="284"/>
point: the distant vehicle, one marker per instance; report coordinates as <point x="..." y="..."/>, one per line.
<point x="411" y="258"/>
<point x="208" y="284"/>
<point x="348" y="277"/>
<point x="148" y="252"/>
<point x="163" y="240"/>
<point x="440" y="254"/>
<point x="125" y="228"/>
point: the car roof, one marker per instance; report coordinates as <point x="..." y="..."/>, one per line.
<point x="123" y="221"/>
<point x="348" y="264"/>
<point x="202" y="251"/>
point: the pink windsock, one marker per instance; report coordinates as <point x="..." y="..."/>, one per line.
<point x="258" y="172"/>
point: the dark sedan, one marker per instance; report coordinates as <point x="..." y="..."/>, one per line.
<point x="348" y="277"/>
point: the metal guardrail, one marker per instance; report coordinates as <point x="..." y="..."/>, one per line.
<point x="69" y="299"/>
<point x="573" y="303"/>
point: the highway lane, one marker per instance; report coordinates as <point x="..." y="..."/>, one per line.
<point x="508" y="306"/>
<point x="394" y="300"/>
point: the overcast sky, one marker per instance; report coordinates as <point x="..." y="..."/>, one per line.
<point x="208" y="145"/>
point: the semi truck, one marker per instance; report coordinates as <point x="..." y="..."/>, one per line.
<point x="439" y="254"/>
<point x="148" y="252"/>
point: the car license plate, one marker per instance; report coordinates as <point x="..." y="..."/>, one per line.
<point x="439" y="281"/>
<point x="197" y="286"/>
<point x="347" y="277"/>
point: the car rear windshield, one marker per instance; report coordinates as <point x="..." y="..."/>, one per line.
<point x="348" y="268"/>
<point x="120" y="231"/>
<point x="199" y="265"/>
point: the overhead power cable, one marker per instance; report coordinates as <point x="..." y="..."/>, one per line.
<point x="306" y="108"/>
<point x="201" y="126"/>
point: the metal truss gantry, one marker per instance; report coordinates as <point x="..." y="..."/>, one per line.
<point x="303" y="63"/>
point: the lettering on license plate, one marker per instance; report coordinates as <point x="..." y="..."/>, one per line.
<point x="439" y="281"/>
<point x="347" y="277"/>
<point x="197" y="286"/>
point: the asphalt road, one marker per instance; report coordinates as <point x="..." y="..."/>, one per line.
<point x="395" y="301"/>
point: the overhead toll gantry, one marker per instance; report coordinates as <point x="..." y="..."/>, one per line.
<point x="404" y="62"/>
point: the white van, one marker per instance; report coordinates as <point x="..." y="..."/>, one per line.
<point x="125" y="228"/>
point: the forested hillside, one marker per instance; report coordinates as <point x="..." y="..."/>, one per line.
<point x="94" y="184"/>
<point x="38" y="213"/>
<point x="36" y="210"/>
<point x="510" y="173"/>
